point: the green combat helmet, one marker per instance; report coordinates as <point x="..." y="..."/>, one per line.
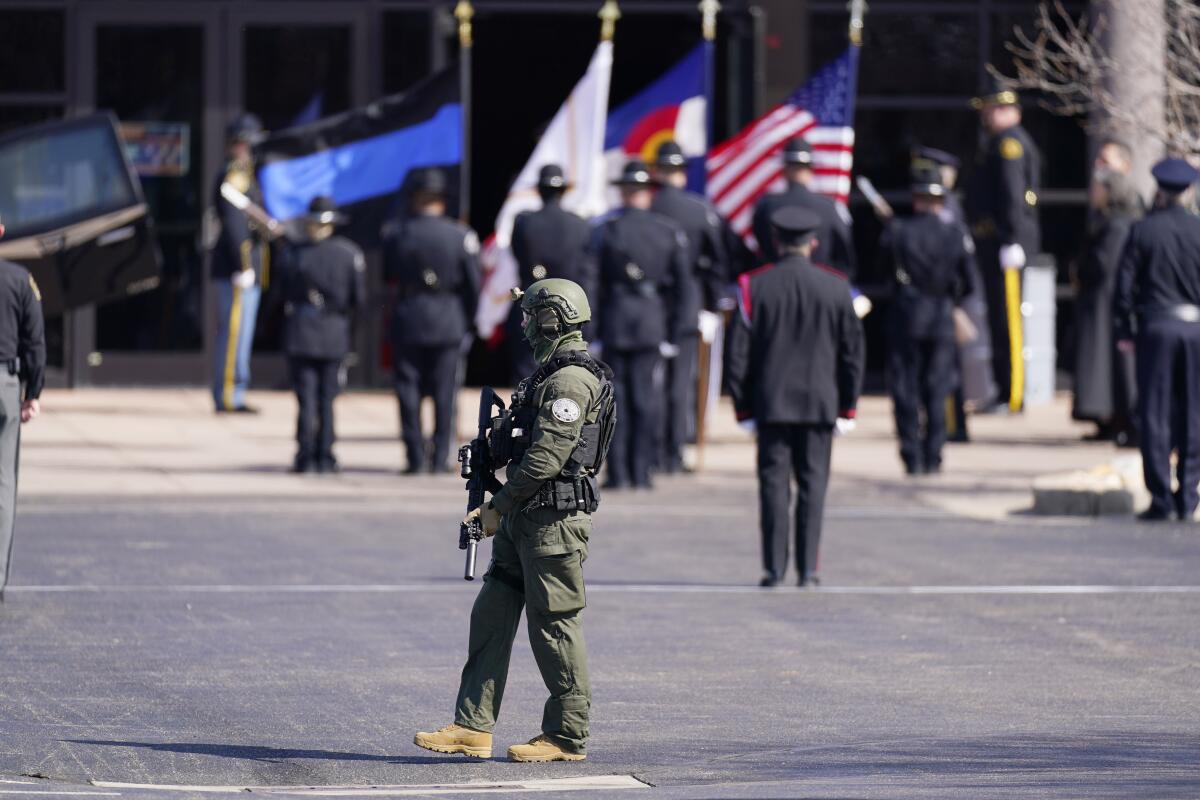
<point x="551" y="310"/>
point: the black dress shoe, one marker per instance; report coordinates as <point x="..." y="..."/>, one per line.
<point x="1154" y="514"/>
<point x="614" y="485"/>
<point x="411" y="469"/>
<point x="933" y="469"/>
<point x="769" y="582"/>
<point x="329" y="466"/>
<point x="245" y="410"/>
<point x="811" y="582"/>
<point x="302" y="466"/>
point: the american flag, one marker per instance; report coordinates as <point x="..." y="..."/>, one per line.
<point x="744" y="168"/>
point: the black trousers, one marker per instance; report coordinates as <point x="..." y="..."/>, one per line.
<point x="1168" y="370"/>
<point x="426" y="372"/>
<point x="315" y="381"/>
<point x="784" y="451"/>
<point x="679" y="417"/>
<point x="1003" y="294"/>
<point x="638" y="382"/>
<point x="921" y="372"/>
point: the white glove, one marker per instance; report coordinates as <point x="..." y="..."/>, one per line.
<point x="244" y="279"/>
<point x="667" y="350"/>
<point x="843" y="426"/>
<point x="749" y="426"/>
<point x="1012" y="256"/>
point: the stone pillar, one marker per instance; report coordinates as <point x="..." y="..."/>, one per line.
<point x="1135" y="38"/>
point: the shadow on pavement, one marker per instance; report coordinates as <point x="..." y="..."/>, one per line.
<point x="264" y="754"/>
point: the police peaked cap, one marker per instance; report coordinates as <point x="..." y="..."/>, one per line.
<point x="793" y="222"/>
<point x="798" y="151"/>
<point x="245" y="128"/>
<point x="322" y="210"/>
<point x="430" y="180"/>
<point x="551" y="177"/>
<point x="928" y="182"/>
<point x="997" y="94"/>
<point x="1175" y="174"/>
<point x="670" y="154"/>
<point x="635" y="173"/>
<point x="926" y="156"/>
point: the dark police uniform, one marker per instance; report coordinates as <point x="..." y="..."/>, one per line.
<point x="434" y="263"/>
<point x="1158" y="300"/>
<point x="323" y="286"/>
<point x="707" y="276"/>
<point x="794" y="367"/>
<point x="644" y="297"/>
<point x="835" y="241"/>
<point x="1002" y="210"/>
<point x="242" y="245"/>
<point x="22" y="360"/>
<point x="928" y="263"/>
<point x="548" y="243"/>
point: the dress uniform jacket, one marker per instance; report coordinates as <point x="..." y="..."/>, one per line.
<point x="435" y="263"/>
<point x="22" y="359"/>
<point x="1002" y="196"/>
<point x="241" y="243"/>
<point x="645" y="290"/>
<point x="706" y="257"/>
<point x="797" y="352"/>
<point x="835" y="242"/>
<point x="323" y="285"/>
<point x="1158" y="297"/>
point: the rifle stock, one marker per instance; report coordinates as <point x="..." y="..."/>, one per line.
<point x="475" y="466"/>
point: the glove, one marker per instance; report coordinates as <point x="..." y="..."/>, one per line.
<point x="488" y="517"/>
<point x="749" y="426"/>
<point x="1012" y="256"/>
<point x="667" y="350"/>
<point x="244" y="279"/>
<point x="843" y="426"/>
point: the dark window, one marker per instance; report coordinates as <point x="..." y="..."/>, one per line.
<point x="885" y="137"/>
<point x="905" y="54"/>
<point x="32" y="49"/>
<point x="407" y="55"/>
<point x="297" y="73"/>
<point x="18" y="116"/>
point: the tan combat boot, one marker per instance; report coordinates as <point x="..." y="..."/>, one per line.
<point x="456" y="739"/>
<point x="540" y="748"/>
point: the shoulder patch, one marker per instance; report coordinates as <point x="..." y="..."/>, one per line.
<point x="36" y="291"/>
<point x="471" y="243"/>
<point x="565" y="409"/>
<point x="1011" y="148"/>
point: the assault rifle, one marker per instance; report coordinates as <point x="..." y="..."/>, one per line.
<point x="477" y="467"/>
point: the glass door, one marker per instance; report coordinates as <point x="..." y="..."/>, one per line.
<point x="295" y="65"/>
<point x="156" y="71"/>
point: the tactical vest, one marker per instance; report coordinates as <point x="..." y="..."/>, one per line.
<point x="576" y="488"/>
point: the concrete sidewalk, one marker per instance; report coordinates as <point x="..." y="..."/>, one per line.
<point x="131" y="442"/>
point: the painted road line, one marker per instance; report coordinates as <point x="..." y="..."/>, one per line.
<point x="574" y="784"/>
<point x="57" y="793"/>
<point x="608" y="588"/>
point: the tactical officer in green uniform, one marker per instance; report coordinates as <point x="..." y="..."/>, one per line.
<point x="561" y="422"/>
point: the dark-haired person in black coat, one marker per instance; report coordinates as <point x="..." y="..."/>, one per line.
<point x="1104" y="390"/>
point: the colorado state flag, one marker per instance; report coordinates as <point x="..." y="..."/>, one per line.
<point x="673" y="107"/>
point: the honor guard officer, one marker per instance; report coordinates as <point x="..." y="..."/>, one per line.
<point x="794" y="396"/>
<point x="548" y="243"/>
<point x="1002" y="211"/>
<point x="434" y="263"/>
<point x="707" y="276"/>
<point x="23" y="354"/>
<point x="323" y="286"/>
<point x="542" y="520"/>
<point x="928" y="261"/>
<point x="240" y="266"/>
<point x="1158" y="301"/>
<point x="645" y="299"/>
<point x="835" y="242"/>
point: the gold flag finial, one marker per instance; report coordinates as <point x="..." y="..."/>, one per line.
<point x="463" y="12"/>
<point x="610" y="12"/>
<point x="857" y="9"/>
<point x="708" y="11"/>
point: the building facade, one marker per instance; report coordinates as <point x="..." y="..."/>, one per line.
<point x="183" y="68"/>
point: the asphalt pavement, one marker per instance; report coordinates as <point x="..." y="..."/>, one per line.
<point x="187" y="620"/>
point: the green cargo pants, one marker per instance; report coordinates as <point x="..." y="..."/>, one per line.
<point x="537" y="563"/>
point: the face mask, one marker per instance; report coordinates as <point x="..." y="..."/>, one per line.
<point x="543" y="347"/>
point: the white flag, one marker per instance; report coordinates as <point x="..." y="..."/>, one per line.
<point x="575" y="141"/>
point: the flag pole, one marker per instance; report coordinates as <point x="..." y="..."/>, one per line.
<point x="463" y="12"/>
<point x="708" y="28"/>
<point x="858" y="10"/>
